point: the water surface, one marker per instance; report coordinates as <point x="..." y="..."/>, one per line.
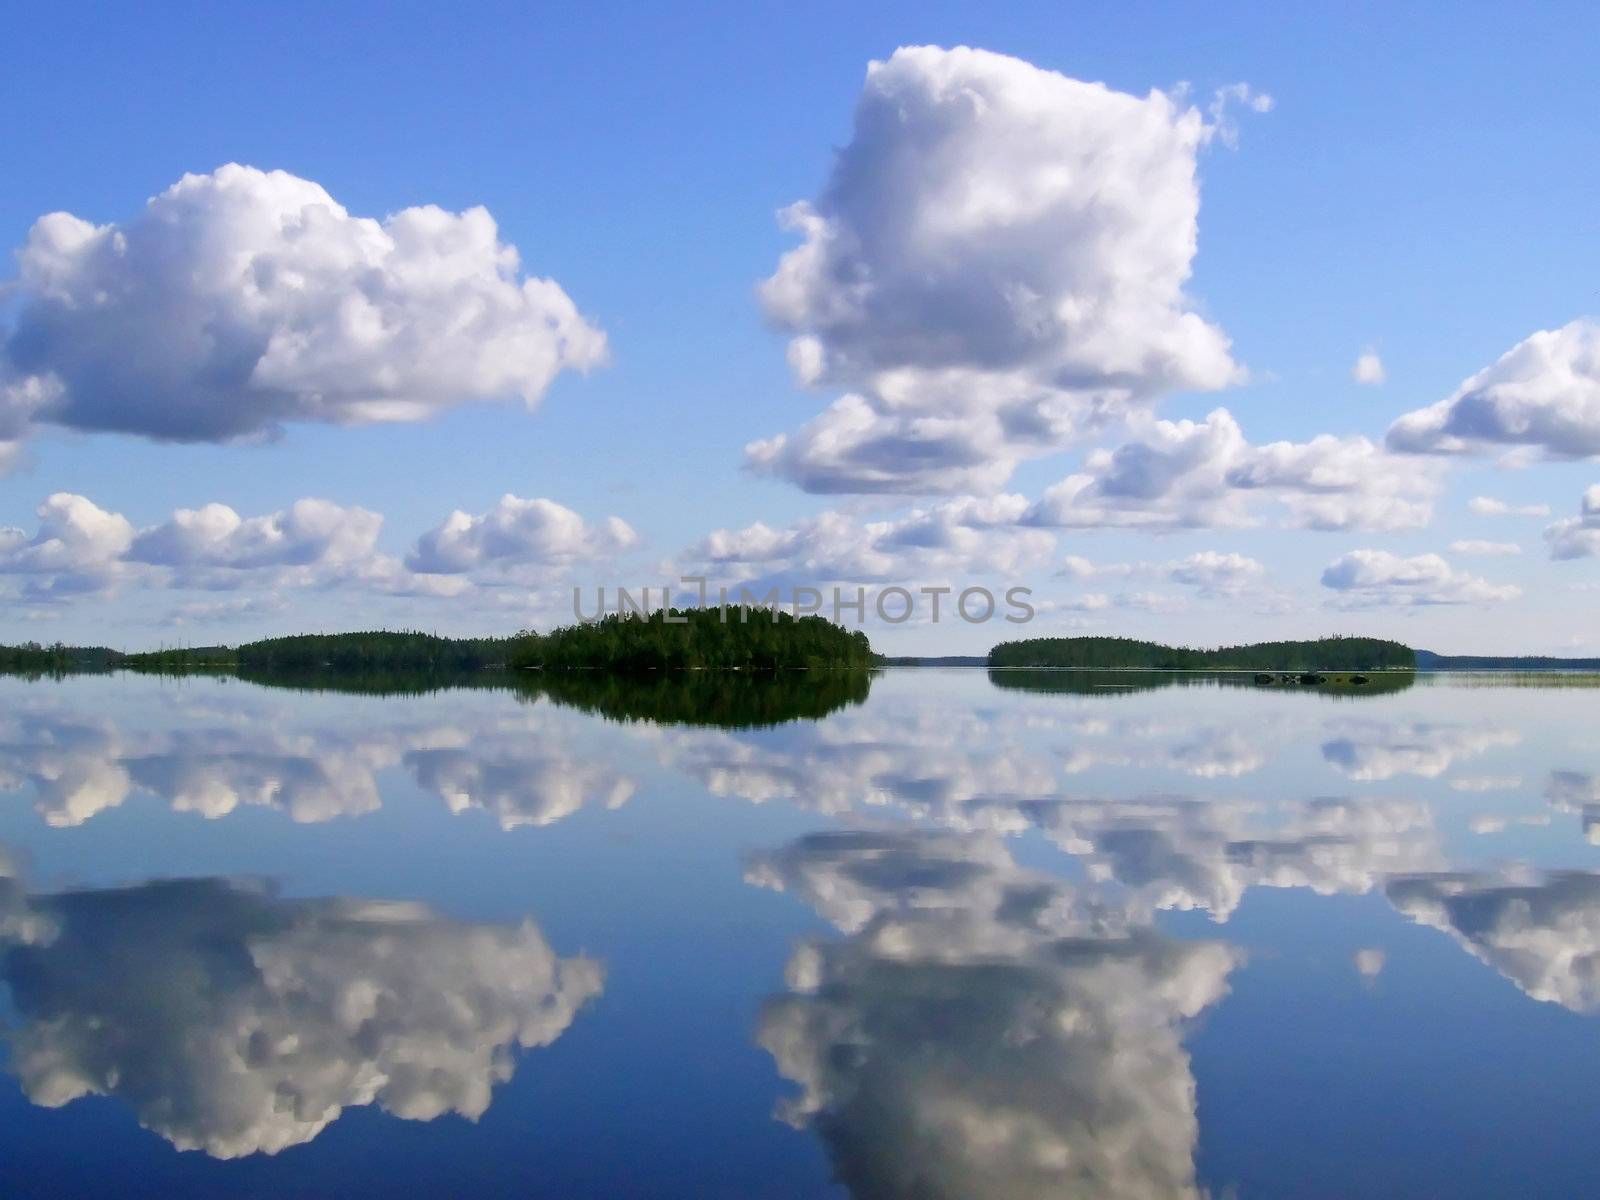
<point x="933" y="934"/>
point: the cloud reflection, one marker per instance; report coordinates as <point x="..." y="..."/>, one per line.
<point x="233" y="1020"/>
<point x="521" y="767"/>
<point x="984" y="1030"/>
<point x="1541" y="930"/>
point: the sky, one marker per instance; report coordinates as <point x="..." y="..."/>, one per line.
<point x="1204" y="325"/>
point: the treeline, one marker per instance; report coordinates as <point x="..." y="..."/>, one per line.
<point x="373" y="651"/>
<point x="700" y="638"/>
<point x="1324" y="654"/>
<point x="1429" y="661"/>
<point x="56" y="658"/>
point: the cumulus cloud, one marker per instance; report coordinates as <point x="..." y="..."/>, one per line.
<point x="1543" y="393"/>
<point x="971" y="535"/>
<point x="235" y="1021"/>
<point x="1579" y="536"/>
<point x="1368" y="369"/>
<point x="1177" y="475"/>
<point x="984" y="1030"/>
<point x="78" y="547"/>
<point x="996" y="263"/>
<point x="308" y="532"/>
<point x="1379" y="577"/>
<point x="1210" y="572"/>
<point x="81" y="548"/>
<point x="517" y="533"/>
<point x="1540" y="930"/>
<point x="1488" y="506"/>
<point x="1219" y="573"/>
<point x="1479" y="548"/>
<point x="239" y="301"/>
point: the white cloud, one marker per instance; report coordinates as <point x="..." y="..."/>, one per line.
<point x="254" y="299"/>
<point x="309" y="532"/>
<point x="971" y="535"/>
<point x="77" y="548"/>
<point x="1488" y="506"/>
<point x="1479" y="548"/>
<point x="1381" y="577"/>
<point x="235" y="1021"/>
<point x="81" y="548"/>
<point x="1369" y="961"/>
<point x="518" y="533"/>
<point x="1177" y="475"/>
<point x="1213" y="572"/>
<point x="996" y="263"/>
<point x="1210" y="571"/>
<point x="1579" y="536"/>
<point x="1543" y="393"/>
<point x="1368" y="369"/>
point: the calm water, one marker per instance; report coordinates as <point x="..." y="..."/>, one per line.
<point x="946" y="939"/>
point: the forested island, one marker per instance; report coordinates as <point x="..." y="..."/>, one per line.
<point x="697" y="639"/>
<point x="1088" y="653"/>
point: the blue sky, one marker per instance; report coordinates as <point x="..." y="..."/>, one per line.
<point x="1422" y="186"/>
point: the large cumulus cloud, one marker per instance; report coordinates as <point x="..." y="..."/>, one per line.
<point x="241" y="300"/>
<point x="236" y="1021"/>
<point x="996" y="262"/>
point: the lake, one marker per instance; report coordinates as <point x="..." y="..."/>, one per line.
<point x="933" y="934"/>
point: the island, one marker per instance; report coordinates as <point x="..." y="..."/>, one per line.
<point x="1347" y="654"/>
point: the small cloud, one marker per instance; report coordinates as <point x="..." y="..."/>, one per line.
<point x="1369" y="961"/>
<point x="1488" y="506"/>
<point x="1369" y="368"/>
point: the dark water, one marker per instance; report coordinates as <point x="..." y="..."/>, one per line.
<point x="958" y="937"/>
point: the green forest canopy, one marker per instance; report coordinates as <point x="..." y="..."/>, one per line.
<point x="1324" y="654"/>
<point x="704" y="638"/>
